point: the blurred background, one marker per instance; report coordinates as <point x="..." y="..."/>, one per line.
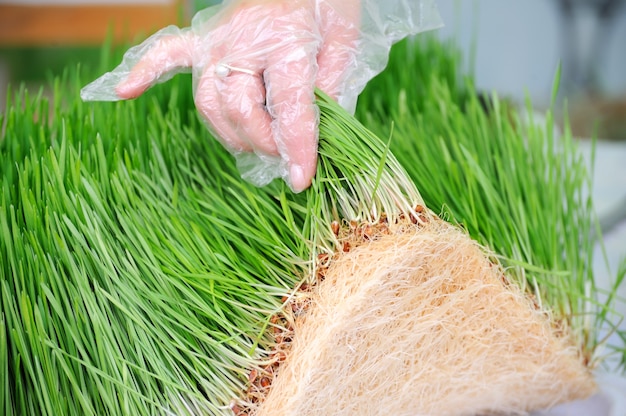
<point x="512" y="47"/>
<point x="515" y="47"/>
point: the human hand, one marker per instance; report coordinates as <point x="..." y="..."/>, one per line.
<point x="255" y="66"/>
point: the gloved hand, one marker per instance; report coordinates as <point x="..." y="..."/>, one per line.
<point x="255" y="66"/>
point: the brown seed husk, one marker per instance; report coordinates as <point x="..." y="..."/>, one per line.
<point x="421" y="322"/>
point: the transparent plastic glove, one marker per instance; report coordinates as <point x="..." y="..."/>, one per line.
<point x="255" y="66"/>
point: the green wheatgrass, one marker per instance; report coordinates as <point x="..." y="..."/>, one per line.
<point x="139" y="273"/>
<point x="137" y="277"/>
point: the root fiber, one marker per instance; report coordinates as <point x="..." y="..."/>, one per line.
<point x="421" y="322"/>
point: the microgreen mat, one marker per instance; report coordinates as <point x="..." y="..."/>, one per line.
<point x="139" y="273"/>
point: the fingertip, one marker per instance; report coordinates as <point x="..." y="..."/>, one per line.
<point x="297" y="179"/>
<point x="300" y="177"/>
<point x="126" y="92"/>
<point x="131" y="87"/>
<point x="160" y="57"/>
